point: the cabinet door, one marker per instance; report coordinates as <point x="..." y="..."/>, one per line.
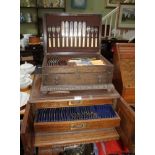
<point x="127" y="124"/>
<point x="27" y="134"/>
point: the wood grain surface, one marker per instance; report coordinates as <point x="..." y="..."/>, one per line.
<point x="71" y="138"/>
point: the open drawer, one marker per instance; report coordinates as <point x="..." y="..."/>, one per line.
<point x="75" y="118"/>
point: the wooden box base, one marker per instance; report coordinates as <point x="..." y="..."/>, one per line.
<point x="71" y="138"/>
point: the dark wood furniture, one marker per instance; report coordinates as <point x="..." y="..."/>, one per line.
<point x="59" y="118"/>
<point x="124" y="81"/>
<point x="50" y="135"/>
<point x="32" y="54"/>
<point x="124" y="70"/>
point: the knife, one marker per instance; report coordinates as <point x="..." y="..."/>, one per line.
<point x="75" y="33"/>
<point x="96" y="34"/>
<point x="79" y="32"/>
<point x="83" y="33"/>
<point x="62" y="32"/>
<point x="71" y="33"/>
<point x="49" y="36"/>
<point x="88" y="31"/>
<point x="92" y="40"/>
<point x="67" y="32"/>
<point x="53" y="31"/>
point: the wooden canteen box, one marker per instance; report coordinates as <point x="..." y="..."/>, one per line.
<point x="72" y="59"/>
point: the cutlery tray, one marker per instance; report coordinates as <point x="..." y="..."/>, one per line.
<point x="76" y="118"/>
<point x="72" y="59"/>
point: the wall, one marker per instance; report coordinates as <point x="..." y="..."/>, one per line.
<point x="93" y="6"/>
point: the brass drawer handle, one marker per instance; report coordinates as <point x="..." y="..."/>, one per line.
<point x="78" y="126"/>
<point x="75" y="102"/>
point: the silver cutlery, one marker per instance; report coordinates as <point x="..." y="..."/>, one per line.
<point x="67" y="32"/>
<point x="49" y="36"/>
<point x="71" y="34"/>
<point x="96" y="35"/>
<point x="92" y="39"/>
<point x="88" y="31"/>
<point x="83" y="33"/>
<point x="58" y="34"/>
<point x="79" y="32"/>
<point x="53" y="32"/>
<point x="75" y="34"/>
<point x="63" y="32"/>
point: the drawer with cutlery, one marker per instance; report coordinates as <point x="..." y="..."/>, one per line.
<point x="50" y="122"/>
<point x="75" y="118"/>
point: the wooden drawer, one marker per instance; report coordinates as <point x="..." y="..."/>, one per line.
<point x="49" y="150"/>
<point x="75" y="118"/>
<point x="70" y="138"/>
<point x="73" y="103"/>
<point x="77" y="79"/>
<point x="76" y="125"/>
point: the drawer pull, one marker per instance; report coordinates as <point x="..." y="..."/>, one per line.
<point x="77" y="126"/>
<point x="75" y="102"/>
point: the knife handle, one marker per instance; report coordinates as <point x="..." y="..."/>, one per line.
<point x="71" y="42"/>
<point x="87" y="41"/>
<point x="79" y="41"/>
<point x="66" y="41"/>
<point x="58" y="42"/>
<point x="95" y="42"/>
<point x="92" y="42"/>
<point x="62" y="41"/>
<point x="49" y="41"/>
<point x="83" y="42"/>
<point x="75" y="41"/>
<point x="53" y="42"/>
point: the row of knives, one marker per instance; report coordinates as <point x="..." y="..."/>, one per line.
<point x="74" y="113"/>
<point x="72" y="34"/>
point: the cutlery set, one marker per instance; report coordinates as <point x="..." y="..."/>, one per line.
<point x="72" y="34"/>
<point x="75" y="113"/>
<point x="62" y="61"/>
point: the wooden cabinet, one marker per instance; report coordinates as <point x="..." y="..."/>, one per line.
<point x="64" y="117"/>
<point x="124" y="70"/>
<point x="55" y="134"/>
<point x="32" y="54"/>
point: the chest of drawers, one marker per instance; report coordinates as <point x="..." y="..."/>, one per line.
<point x="59" y="120"/>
